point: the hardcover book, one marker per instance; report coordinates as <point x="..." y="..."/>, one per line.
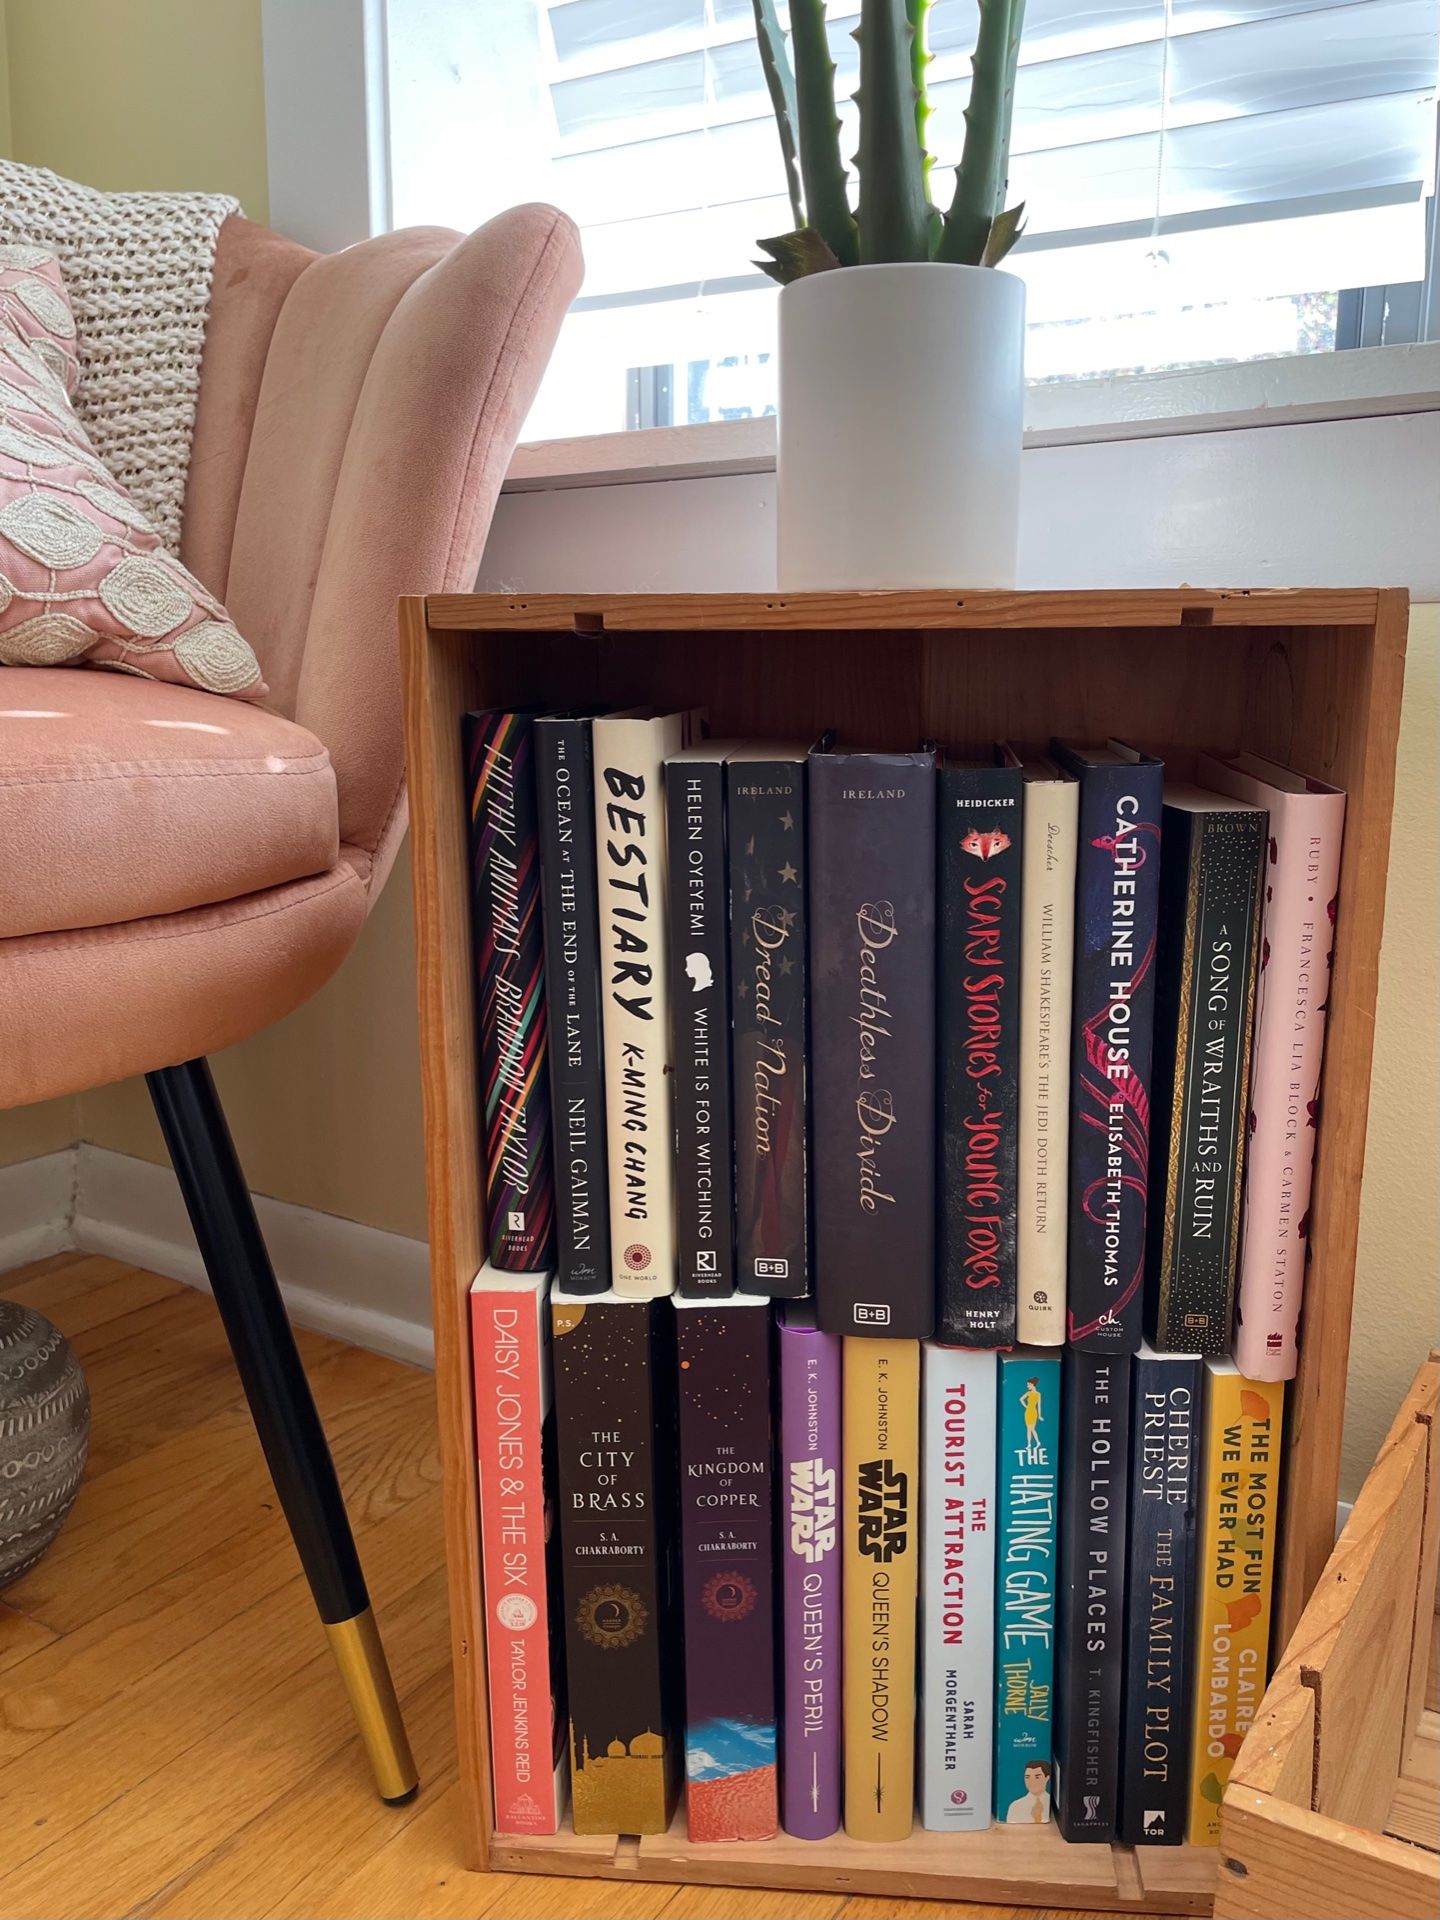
<point x="810" y="1455"/>
<point x="1160" y="1586"/>
<point x="700" y="1012"/>
<point x="727" y="1548"/>
<point x="1028" y="1390"/>
<point x="881" y="1491"/>
<point x="957" y="1588"/>
<point x="765" y="801"/>
<point x="1302" y="878"/>
<point x="565" y="796"/>
<point x="872" y="1038"/>
<point x="1117" y="885"/>
<point x="509" y="963"/>
<point x="1212" y="863"/>
<point x="519" y="1548"/>
<point x="1090" y="1596"/>
<point x="980" y="830"/>
<point x="613" y="1367"/>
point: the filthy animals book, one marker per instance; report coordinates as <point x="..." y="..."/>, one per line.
<point x="1028" y="1422"/>
<point x="509" y="964"/>
<point x="1302" y="878"/>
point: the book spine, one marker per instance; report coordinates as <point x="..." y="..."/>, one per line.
<point x="1047" y="941"/>
<point x="700" y="1046"/>
<point x="614" y="1445"/>
<point x="980" y="833"/>
<point x="1028" y="1387"/>
<point x="872" y="1035"/>
<point x="1112" y="1025"/>
<point x="1090" y="1592"/>
<point x="1204" y="1006"/>
<point x="882" y="1447"/>
<point x="1240" y="1488"/>
<point x="522" y="1627"/>
<point x="957" y="1589"/>
<point x="810" y="1453"/>
<point x="766" y="802"/>
<point x="727" y="1550"/>
<point x="509" y="966"/>
<point x="564" y="786"/>
<point x="1160" y="1610"/>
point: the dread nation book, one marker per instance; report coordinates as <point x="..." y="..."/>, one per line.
<point x="1117" y="884"/>
<point x="980" y="832"/>
<point x="872" y="1038"/>
<point x="565" y="798"/>
<point x="510" y="988"/>
<point x="765" y="798"/>
<point x="1210" y="876"/>
<point x="613" y="1362"/>
<point x="1028" y="1389"/>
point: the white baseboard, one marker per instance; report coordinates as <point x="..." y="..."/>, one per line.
<point x="37" y="1203"/>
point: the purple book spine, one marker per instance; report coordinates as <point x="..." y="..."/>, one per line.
<point x="810" y="1806"/>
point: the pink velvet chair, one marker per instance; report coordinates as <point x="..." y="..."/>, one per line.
<point x="178" y="870"/>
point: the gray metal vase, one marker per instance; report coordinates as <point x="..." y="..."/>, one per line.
<point x="44" y="1435"/>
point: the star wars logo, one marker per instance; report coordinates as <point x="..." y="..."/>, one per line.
<point x="812" y="1509"/>
<point x="884" y="1510"/>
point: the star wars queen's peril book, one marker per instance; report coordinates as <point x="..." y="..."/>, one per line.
<point x="979" y="829"/>
<point x="872" y="1039"/>
<point x="1028" y="1391"/>
<point x="727" y="1551"/>
<point x="1090" y="1592"/>
<point x="1302" y="876"/>
<point x="811" y="1669"/>
<point x="1117" y="891"/>
<point x="519" y="1547"/>
<point x="509" y="963"/>
<point x="1211" y="870"/>
<point x="613" y="1361"/>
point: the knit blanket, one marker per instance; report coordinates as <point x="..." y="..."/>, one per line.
<point x="137" y="267"/>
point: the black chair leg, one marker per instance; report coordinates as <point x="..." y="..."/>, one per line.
<point x="243" y="1281"/>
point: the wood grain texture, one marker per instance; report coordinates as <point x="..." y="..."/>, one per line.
<point x="1415" y="1810"/>
<point x="1281" y="1860"/>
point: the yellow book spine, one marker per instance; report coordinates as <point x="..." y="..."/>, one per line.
<point x="1240" y="1489"/>
<point x="881" y="1517"/>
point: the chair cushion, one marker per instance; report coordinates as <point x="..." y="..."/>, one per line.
<point x="123" y="798"/>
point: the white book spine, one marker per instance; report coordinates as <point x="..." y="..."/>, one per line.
<point x="1047" y="938"/>
<point x="957" y="1588"/>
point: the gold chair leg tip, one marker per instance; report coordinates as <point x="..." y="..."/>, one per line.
<point x="360" y="1657"/>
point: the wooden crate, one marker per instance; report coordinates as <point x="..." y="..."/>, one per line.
<point x="1333" y="1807"/>
<point x="1310" y="678"/>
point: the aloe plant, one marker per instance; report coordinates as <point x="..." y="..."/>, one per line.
<point x="896" y="218"/>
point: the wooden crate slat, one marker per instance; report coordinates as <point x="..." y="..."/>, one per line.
<point x="1277" y="1858"/>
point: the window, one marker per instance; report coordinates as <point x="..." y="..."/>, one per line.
<point x="1206" y="180"/>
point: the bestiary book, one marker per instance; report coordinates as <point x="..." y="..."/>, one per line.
<point x="1028" y="1389"/>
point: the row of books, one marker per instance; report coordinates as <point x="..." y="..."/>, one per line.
<point x="969" y="1043"/>
<point x="854" y="1582"/>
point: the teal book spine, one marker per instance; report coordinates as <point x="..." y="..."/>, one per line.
<point x="1027" y="1490"/>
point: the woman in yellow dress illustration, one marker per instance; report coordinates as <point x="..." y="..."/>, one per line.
<point x="1031" y="1403"/>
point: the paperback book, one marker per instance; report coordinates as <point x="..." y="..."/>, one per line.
<point x="1028" y="1389"/>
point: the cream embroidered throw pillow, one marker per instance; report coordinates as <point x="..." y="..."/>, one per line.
<point x="84" y="578"/>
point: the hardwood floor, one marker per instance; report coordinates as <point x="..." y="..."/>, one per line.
<point x="173" y="1739"/>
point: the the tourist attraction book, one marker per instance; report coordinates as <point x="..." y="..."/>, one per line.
<point x="519" y="1548"/>
<point x="979" y="830"/>
<point x="508" y="956"/>
<point x="1090" y="1592"/>
<point x="613" y="1361"/>
<point x="957" y="1587"/>
<point x="765" y="801"/>
<point x="632" y="877"/>
<point x="1047" y="954"/>
<point x="1302" y="878"/>
<point x="727" y="1553"/>
<point x="565" y="804"/>
<point x="1235" y="1563"/>
<point x="810" y="1388"/>
<point x="1165" y="1402"/>
<point x="880" y="1510"/>
<point x="872" y="1040"/>
<point x="1211" y="872"/>
<point x="1028" y="1424"/>
<point x="700" y="1015"/>
<point x="1117" y="884"/>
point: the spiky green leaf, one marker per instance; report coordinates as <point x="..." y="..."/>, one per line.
<point x="827" y="184"/>
<point x="793" y="255"/>
<point x="780" y="82"/>
<point x="1005" y="230"/>
<point x="894" y="216"/>
<point x="1007" y="103"/>
<point x="917" y="12"/>
<point x="979" y="179"/>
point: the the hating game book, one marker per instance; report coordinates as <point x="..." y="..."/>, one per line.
<point x="1028" y="1391"/>
<point x="509" y="963"/>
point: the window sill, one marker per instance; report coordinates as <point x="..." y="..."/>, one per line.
<point x="1259" y="393"/>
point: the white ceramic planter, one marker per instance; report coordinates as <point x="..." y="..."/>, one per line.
<point x="901" y="397"/>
